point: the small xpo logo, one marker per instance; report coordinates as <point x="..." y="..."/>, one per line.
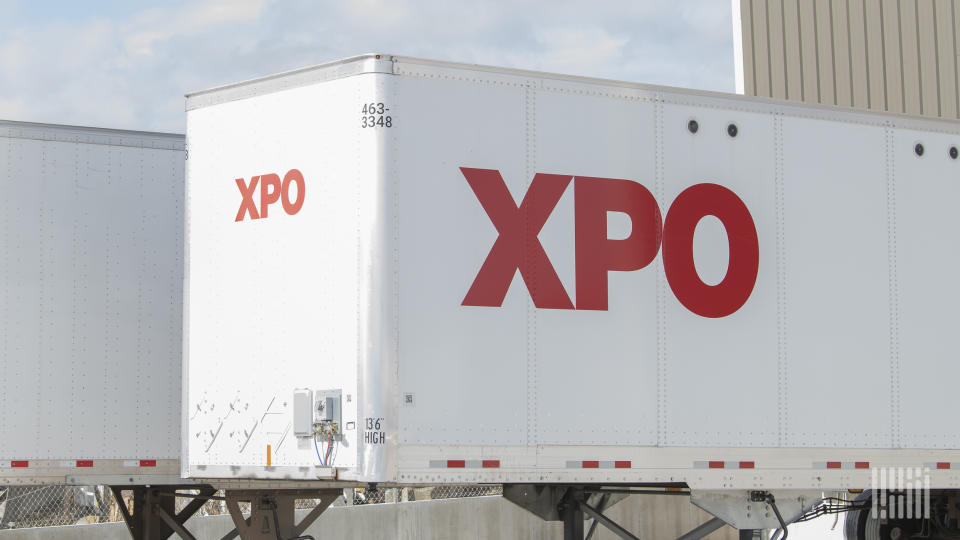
<point x="272" y="189"/>
<point x="900" y="493"/>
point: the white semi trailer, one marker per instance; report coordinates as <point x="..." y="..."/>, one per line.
<point x="408" y="272"/>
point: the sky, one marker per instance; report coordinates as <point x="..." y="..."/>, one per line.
<point x="127" y="64"/>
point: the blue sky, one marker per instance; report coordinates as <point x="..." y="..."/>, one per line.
<point x="127" y="64"/>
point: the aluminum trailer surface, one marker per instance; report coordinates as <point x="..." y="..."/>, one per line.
<point x="91" y="236"/>
<point x="517" y="277"/>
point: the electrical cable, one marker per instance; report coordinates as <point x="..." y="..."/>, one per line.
<point x="317" y="448"/>
<point x="773" y="504"/>
<point x="329" y="450"/>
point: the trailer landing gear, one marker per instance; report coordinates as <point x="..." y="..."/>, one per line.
<point x="573" y="504"/>
<point x="153" y="515"/>
<point x="272" y="513"/>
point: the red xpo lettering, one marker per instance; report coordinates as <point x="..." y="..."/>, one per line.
<point x="595" y="253"/>
<point x="271" y="191"/>
<point x="518" y="248"/>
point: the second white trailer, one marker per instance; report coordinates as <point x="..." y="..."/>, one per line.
<point x="91" y="237"/>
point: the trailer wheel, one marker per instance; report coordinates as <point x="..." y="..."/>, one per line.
<point x="863" y="525"/>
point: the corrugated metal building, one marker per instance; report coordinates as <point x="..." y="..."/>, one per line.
<point x="891" y="55"/>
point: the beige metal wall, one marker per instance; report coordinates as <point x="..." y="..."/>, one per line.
<point x="892" y="55"/>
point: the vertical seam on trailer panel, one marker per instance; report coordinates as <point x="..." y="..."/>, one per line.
<point x="5" y="180"/>
<point x="661" y="330"/>
<point x="816" y="51"/>
<point x="140" y="308"/>
<point x="395" y="179"/>
<point x="781" y="283"/>
<point x="529" y="94"/>
<point x="106" y="284"/>
<point x="893" y="289"/>
<point x="361" y="365"/>
<point x="40" y="290"/>
<point x="175" y="426"/>
<point x="74" y="330"/>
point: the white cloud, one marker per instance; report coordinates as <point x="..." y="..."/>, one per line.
<point x="132" y="70"/>
<point x="164" y="24"/>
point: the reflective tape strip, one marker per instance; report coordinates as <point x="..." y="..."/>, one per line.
<point x="717" y="464"/>
<point x="941" y="465"/>
<point x="453" y="464"/>
<point x="140" y="463"/>
<point x="598" y="464"/>
<point x="841" y="465"/>
<point x="19" y="464"/>
<point x="77" y="463"/>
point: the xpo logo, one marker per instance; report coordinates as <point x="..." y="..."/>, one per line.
<point x="518" y="248"/>
<point x="272" y="189"/>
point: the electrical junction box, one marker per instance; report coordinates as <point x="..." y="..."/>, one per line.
<point x="327" y="413"/>
<point x="302" y="412"/>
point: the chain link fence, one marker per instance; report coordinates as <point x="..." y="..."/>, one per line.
<point x="46" y="506"/>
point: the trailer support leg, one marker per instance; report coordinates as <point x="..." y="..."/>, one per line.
<point x="153" y="515"/>
<point x="272" y="512"/>
<point x="572" y="514"/>
<point x="704" y="529"/>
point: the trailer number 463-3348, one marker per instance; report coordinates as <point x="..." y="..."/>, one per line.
<point x="375" y="115"/>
